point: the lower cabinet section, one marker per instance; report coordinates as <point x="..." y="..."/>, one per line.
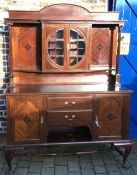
<point x="34" y="118"/>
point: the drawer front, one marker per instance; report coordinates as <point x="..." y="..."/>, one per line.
<point x="69" y="117"/>
<point x="69" y="102"/>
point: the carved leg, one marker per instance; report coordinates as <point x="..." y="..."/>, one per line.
<point x="8" y="158"/>
<point x="126" y="154"/>
<point x="112" y="145"/>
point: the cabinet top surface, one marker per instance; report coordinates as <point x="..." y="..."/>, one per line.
<point x="51" y="89"/>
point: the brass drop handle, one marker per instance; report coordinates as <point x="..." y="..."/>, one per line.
<point x="66" y="116"/>
<point x="97" y="121"/>
<point x="66" y="103"/>
<point x="69" y="103"/>
<point x="70" y="117"/>
<point x="73" y="116"/>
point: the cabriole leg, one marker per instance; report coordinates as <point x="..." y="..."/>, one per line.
<point x="126" y="154"/>
<point x="8" y="158"/>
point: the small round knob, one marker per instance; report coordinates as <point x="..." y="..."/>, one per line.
<point x="73" y="102"/>
<point x="66" y="116"/>
<point x="66" y="103"/>
<point x="73" y="116"/>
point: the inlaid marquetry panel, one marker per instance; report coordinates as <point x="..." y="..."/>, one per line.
<point x="25" y="119"/>
<point x="24" y="47"/>
<point x="26" y="122"/>
<point x="110" y="117"/>
<point x="100" y="44"/>
<point x="27" y="46"/>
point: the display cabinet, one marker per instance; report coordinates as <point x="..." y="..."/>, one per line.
<point x="64" y="79"/>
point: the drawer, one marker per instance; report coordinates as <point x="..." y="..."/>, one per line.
<point x="69" y="117"/>
<point x="69" y="102"/>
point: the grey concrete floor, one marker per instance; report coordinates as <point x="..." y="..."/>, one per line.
<point x="97" y="160"/>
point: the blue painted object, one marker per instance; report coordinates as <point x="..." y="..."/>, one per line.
<point x="128" y="63"/>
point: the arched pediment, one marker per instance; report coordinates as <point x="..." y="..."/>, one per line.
<point x="54" y="12"/>
<point x="65" y="12"/>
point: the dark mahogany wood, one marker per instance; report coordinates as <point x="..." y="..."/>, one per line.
<point x="109" y="116"/>
<point x="25" y="115"/>
<point x="77" y="13"/>
<point x="76" y="102"/>
<point x="24" y="44"/>
<point x="64" y="75"/>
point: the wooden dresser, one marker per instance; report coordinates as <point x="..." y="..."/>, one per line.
<point x="64" y="80"/>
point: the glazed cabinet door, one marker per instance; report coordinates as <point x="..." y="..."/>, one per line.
<point x="25" y="47"/>
<point x="65" y="47"/>
<point x="25" y="119"/>
<point x="111" y="117"/>
<point x="53" y="46"/>
<point x="77" y="47"/>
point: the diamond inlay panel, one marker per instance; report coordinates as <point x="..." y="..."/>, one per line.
<point x="26" y="122"/>
<point x="25" y="54"/>
<point x="100" y="46"/>
<point x="27" y="46"/>
<point x="110" y="117"/>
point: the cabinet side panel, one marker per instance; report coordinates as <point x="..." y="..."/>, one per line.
<point x="10" y="125"/>
<point x="126" y="109"/>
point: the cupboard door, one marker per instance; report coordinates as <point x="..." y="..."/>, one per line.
<point x="53" y="46"/>
<point x="24" y="119"/>
<point x="65" y="48"/>
<point x="108" y="118"/>
<point x="25" y="47"/>
<point x="103" y="48"/>
<point x="78" y="48"/>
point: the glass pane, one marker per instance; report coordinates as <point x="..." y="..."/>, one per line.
<point x="51" y="44"/>
<point x="73" y="45"/>
<point x="59" y="52"/>
<point x="81" y="44"/>
<point x="59" y="44"/>
<point x="79" y="58"/>
<point x="73" y="34"/>
<point x="77" y="47"/>
<point x="73" y="61"/>
<point x="56" y="47"/>
<point x="60" y="61"/>
<point x="60" y="34"/>
<point x="81" y="52"/>
<point x="52" y="52"/>
<point x="80" y="37"/>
